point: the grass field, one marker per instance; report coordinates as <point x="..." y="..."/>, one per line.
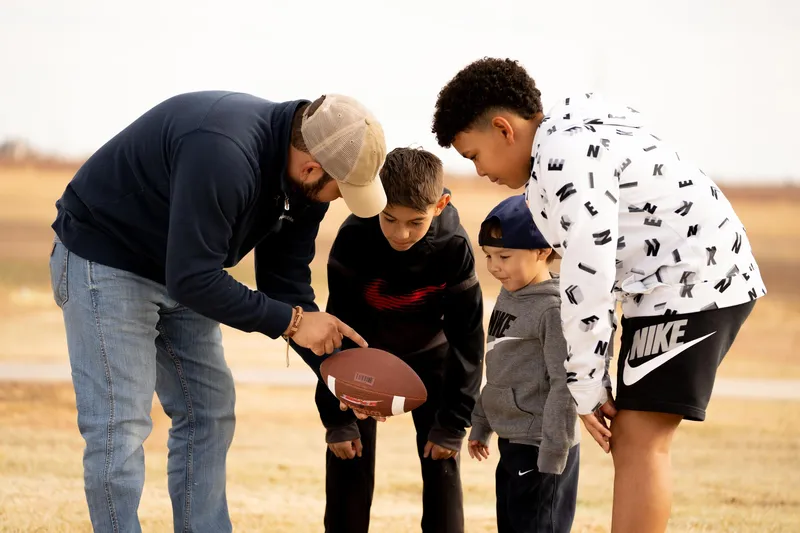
<point x="31" y="330"/>
<point x="737" y="472"/>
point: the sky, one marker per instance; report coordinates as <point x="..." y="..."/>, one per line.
<point x="720" y="79"/>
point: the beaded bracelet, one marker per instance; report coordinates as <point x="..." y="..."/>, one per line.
<point x="292" y="330"/>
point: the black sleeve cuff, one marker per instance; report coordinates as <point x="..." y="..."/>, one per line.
<point x="342" y="434"/>
<point x="446" y="438"/>
<point x="277" y="320"/>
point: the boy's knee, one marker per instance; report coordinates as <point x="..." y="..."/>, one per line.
<point x="640" y="434"/>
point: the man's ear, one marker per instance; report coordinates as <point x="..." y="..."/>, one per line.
<point x="504" y="128"/>
<point x="441" y="204"/>
<point x="310" y="171"/>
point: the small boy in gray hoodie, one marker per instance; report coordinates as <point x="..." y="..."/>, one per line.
<point x="526" y="400"/>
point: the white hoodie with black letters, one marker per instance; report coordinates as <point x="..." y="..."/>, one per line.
<point x="634" y="222"/>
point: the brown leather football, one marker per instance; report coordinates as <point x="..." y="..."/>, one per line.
<point x="373" y="381"/>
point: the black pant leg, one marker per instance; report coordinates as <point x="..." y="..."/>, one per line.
<point x="537" y="502"/>
<point x="558" y="496"/>
<point x="502" y="480"/>
<point x="442" y="497"/>
<point x="522" y="489"/>
<point x="349" y="485"/>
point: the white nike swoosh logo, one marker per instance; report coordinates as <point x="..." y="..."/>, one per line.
<point x="490" y="345"/>
<point x="521" y="473"/>
<point x="631" y="375"/>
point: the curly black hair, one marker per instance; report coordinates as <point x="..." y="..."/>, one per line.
<point x="485" y="84"/>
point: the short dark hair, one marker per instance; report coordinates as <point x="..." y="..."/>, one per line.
<point x="297" y="123"/>
<point x="412" y="177"/>
<point x="492" y="228"/>
<point x="297" y="140"/>
<point x="485" y="85"/>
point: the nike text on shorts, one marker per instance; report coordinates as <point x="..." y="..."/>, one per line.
<point x="668" y="363"/>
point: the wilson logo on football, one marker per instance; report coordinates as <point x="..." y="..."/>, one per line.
<point x="359" y="401"/>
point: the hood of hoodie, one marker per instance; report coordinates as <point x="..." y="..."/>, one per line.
<point x="586" y="110"/>
<point x="444" y="226"/>
<point x="544" y="288"/>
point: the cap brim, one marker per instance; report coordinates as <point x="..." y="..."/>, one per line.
<point x="364" y="201"/>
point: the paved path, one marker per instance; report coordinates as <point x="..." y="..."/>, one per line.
<point x="768" y="389"/>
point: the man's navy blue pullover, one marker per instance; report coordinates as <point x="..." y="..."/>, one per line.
<point x="190" y="188"/>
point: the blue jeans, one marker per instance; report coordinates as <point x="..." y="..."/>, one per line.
<point x="127" y="339"/>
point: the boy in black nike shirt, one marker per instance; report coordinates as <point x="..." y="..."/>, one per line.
<point x="406" y="281"/>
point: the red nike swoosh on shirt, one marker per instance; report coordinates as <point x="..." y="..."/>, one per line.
<point x="375" y="296"/>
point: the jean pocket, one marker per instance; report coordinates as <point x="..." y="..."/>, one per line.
<point x="59" y="270"/>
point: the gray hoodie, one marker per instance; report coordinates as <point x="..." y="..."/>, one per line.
<point x="526" y="399"/>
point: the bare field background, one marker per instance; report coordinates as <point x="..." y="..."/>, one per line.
<point x="734" y="471"/>
<point x="31" y="329"/>
<point x="737" y="472"/>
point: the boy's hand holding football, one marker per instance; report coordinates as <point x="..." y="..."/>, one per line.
<point x="360" y="414"/>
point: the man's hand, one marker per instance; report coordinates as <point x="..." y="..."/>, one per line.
<point x="323" y="333"/>
<point x="436" y="452"/>
<point x="359" y="414"/>
<point x="347" y="449"/>
<point x="478" y="450"/>
<point x="597" y="426"/>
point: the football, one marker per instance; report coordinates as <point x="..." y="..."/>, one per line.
<point x="373" y="381"/>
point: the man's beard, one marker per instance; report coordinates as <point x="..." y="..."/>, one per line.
<point x="311" y="191"/>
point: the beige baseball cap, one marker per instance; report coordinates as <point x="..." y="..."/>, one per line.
<point x="348" y="142"/>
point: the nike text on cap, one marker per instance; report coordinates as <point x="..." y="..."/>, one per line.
<point x="348" y="142"/>
<point x="516" y="223"/>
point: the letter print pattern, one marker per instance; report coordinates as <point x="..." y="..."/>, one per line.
<point x="632" y="222"/>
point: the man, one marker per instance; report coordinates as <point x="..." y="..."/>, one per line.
<point x="144" y="232"/>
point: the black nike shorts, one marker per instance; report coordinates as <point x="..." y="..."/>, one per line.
<point x="668" y="363"/>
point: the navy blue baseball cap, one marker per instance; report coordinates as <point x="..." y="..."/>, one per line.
<point x="516" y="223"/>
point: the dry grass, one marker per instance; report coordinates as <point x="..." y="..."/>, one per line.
<point x="31" y="330"/>
<point x="737" y="472"/>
